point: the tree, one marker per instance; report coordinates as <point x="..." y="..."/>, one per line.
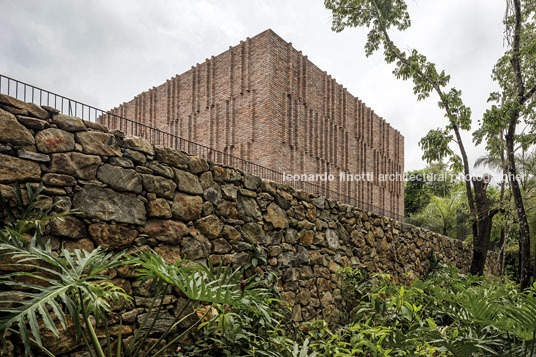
<point x="515" y="74"/>
<point x="421" y="185"/>
<point x="379" y="16"/>
<point x="440" y="214"/>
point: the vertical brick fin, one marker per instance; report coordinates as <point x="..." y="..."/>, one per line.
<point x="335" y="144"/>
<point x="218" y="147"/>
<point x="212" y="81"/>
<point x="289" y="67"/>
<point x="311" y="137"/>
<point x="144" y="116"/>
<point x="328" y="98"/>
<point x="356" y="119"/>
<point x="306" y="129"/>
<point x="153" y="107"/>
<point x="301" y="164"/>
<point x="150" y="106"/>
<point x="195" y="127"/>
<point x="242" y="66"/>
<point x="233" y="122"/>
<point x="333" y="114"/>
<point x="292" y="169"/>
<point x="227" y="125"/>
<point x="168" y="102"/>
<point x="194" y="82"/>
<point x="344" y="110"/>
<point x="346" y="146"/>
<point x="211" y="127"/>
<point x="173" y="107"/>
<point x="362" y="121"/>
<point x="177" y="106"/>
<point x="321" y="139"/>
<point x="289" y="119"/>
<point x="383" y="134"/>
<point x="330" y="148"/>
<point x="231" y="68"/>
<point x="249" y="151"/>
<point x="371" y="127"/>
<point x="299" y="78"/>
<point x="324" y="94"/>
<point x="248" y="66"/>
<point x="253" y="95"/>
<point x="295" y="129"/>
<point x="198" y="94"/>
<point x="305" y="65"/>
<point x="207" y="84"/>
<point x="316" y="135"/>
<point x="136" y="108"/>
<point x="284" y="119"/>
<point x="328" y="141"/>
<point x="190" y="127"/>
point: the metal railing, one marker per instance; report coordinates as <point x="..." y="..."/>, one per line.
<point x="29" y="93"/>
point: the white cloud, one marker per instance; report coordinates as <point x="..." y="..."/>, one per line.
<point x="105" y="52"/>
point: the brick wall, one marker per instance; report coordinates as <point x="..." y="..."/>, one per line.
<point x="266" y="102"/>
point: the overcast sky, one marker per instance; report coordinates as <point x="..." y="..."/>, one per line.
<point x="104" y="52"/>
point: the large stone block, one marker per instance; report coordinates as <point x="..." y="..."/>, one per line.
<point x="13" y="169"/>
<point x="172" y="157"/>
<point x="68" y="226"/>
<point x="210" y="226"/>
<point x="11" y="131"/>
<point x="119" y="178"/>
<point x="186" y="207"/>
<point x="98" y="143"/>
<point x="68" y="123"/>
<point x="187" y="182"/>
<point x="161" y="186"/>
<point x="112" y="236"/>
<point x="108" y="205"/>
<point x="166" y="231"/>
<point x="249" y="209"/>
<point x="54" y="140"/>
<point x="75" y="164"/>
<point x="138" y="144"/>
<point x="276" y="216"/>
<point x="31" y="108"/>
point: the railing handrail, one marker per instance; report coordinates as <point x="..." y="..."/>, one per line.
<point x="137" y="128"/>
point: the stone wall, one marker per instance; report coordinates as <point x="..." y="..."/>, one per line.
<point x="132" y="194"/>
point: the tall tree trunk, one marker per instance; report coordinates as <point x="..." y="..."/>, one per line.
<point x="481" y="240"/>
<point x="524" y="233"/>
<point x="504" y="241"/>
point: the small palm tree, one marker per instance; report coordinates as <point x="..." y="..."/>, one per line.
<point x="71" y="286"/>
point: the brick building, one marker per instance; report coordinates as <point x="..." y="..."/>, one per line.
<point x="266" y="102"/>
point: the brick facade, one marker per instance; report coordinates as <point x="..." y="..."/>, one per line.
<point x="266" y="102"/>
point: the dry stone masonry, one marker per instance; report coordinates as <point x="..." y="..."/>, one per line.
<point x="133" y="195"/>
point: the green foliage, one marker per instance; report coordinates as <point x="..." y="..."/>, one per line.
<point x="421" y="185"/>
<point x="63" y="285"/>
<point x="26" y="213"/>
<point x="446" y="314"/>
<point x="441" y="214"/>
